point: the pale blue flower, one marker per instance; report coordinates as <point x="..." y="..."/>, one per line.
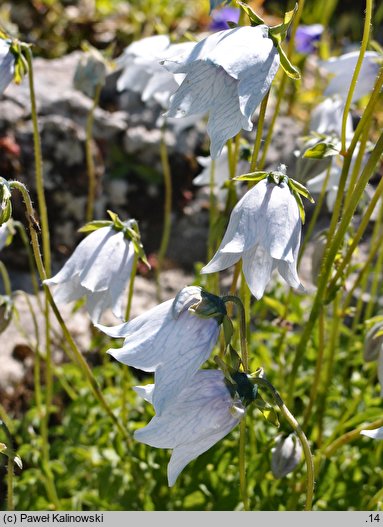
<point x="326" y="118"/>
<point x="217" y="3"/>
<point x="265" y="231"/>
<point x="285" y="455"/>
<point x="201" y="415"/>
<point x="99" y="269"/>
<point x="220" y="19"/>
<point x="377" y="433"/>
<point x="7" y="64"/>
<point x="341" y="70"/>
<point x="307" y="37"/>
<point x="170" y="340"/>
<point x="227" y="75"/>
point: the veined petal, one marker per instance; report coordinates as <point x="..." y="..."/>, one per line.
<point x="146" y="392"/>
<point x="200" y="416"/>
<point x="257" y="267"/>
<point x="377" y="433"/>
<point x="221" y="261"/>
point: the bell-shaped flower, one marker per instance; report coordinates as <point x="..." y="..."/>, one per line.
<point x="265" y="231"/>
<point x="171" y="339"/>
<point x="201" y="415"/>
<point x="326" y="118"/>
<point x="307" y="37"/>
<point x="227" y="75"/>
<point x="341" y="70"/>
<point x="7" y="64"/>
<point x="90" y="73"/>
<point x="99" y="269"/>
<point x="377" y="433"/>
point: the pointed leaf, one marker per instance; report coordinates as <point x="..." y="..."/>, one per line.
<point x="252" y="176"/>
<point x="279" y="32"/>
<point x="94" y="225"/>
<point x="288" y="68"/>
<point x="301" y="189"/>
<point x="255" y="20"/>
<point x="321" y="150"/>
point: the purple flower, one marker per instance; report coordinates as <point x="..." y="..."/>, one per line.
<point x="306" y="37"/>
<point x="220" y="19"/>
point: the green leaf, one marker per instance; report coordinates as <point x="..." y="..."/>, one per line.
<point x="321" y="150"/>
<point x="288" y="68"/>
<point x="94" y="225"/>
<point x="279" y="32"/>
<point x="301" y="189"/>
<point x="255" y="20"/>
<point x="252" y="176"/>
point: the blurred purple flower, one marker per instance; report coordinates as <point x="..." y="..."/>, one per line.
<point x="306" y="37"/>
<point x="220" y="19"/>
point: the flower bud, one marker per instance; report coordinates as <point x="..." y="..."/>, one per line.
<point x="200" y="303"/>
<point x="285" y="456"/>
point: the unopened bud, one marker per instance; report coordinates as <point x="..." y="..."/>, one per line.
<point x="5" y="201"/>
<point x="285" y="456"/>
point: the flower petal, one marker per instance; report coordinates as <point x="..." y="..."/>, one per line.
<point x="375" y="434"/>
<point x="257" y="268"/>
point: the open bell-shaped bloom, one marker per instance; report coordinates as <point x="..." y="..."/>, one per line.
<point x="265" y="231"/>
<point x="170" y="340"/>
<point x="377" y="433"/>
<point x="227" y="75"/>
<point x="99" y="269"/>
<point x="7" y="64"/>
<point x="201" y="415"/>
<point x="341" y="70"/>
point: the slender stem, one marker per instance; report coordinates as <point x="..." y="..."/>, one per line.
<point x="318" y="371"/>
<point x="131" y="287"/>
<point x="167" y="210"/>
<point x="258" y="137"/>
<point x="10" y="462"/>
<point x="348" y="437"/>
<point x="363" y="47"/>
<point x="89" y="155"/>
<point x="38" y="166"/>
<point x="329" y="258"/>
<point x="242" y="463"/>
<point x="298" y="430"/>
<point x="32" y="267"/>
<point x="76" y="352"/>
<point x="6" y="281"/>
<point x="242" y="328"/>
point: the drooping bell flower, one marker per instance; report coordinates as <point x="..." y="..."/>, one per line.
<point x="227" y="75"/>
<point x="198" y="417"/>
<point x="7" y="64"/>
<point x="264" y="231"/>
<point x="172" y="339"/>
<point x="99" y="270"/>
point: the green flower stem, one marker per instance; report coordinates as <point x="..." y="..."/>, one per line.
<point x="363" y="47"/>
<point x="358" y="235"/>
<point x="167" y="210"/>
<point x="89" y="156"/>
<point x="76" y="352"/>
<point x="301" y="435"/>
<point x="318" y="370"/>
<point x="282" y="85"/>
<point x="258" y="137"/>
<point x="38" y="166"/>
<point x="131" y="287"/>
<point x="6" y="280"/>
<point x="10" y="461"/>
<point x="314" y="217"/>
<point x="32" y="266"/>
<point x="328" y="260"/>
<point x="242" y="427"/>
<point x="348" y="437"/>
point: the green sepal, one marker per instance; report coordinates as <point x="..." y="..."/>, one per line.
<point x="254" y="177"/>
<point x="228" y="330"/>
<point x="209" y="306"/>
<point x="267" y="410"/>
<point x="322" y="150"/>
<point x="21" y="65"/>
<point x="232" y="25"/>
<point x="279" y="32"/>
<point x="290" y="70"/>
<point x="255" y="20"/>
<point x="94" y="225"/>
<point x="301" y="189"/>
<point x="301" y="208"/>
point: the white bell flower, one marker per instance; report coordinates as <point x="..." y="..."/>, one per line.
<point x="326" y="118"/>
<point x="7" y="65"/>
<point x="377" y="433"/>
<point x="99" y="269"/>
<point x="169" y="340"/>
<point x="341" y="70"/>
<point x="265" y="231"/>
<point x="227" y="75"/>
<point x="201" y="415"/>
